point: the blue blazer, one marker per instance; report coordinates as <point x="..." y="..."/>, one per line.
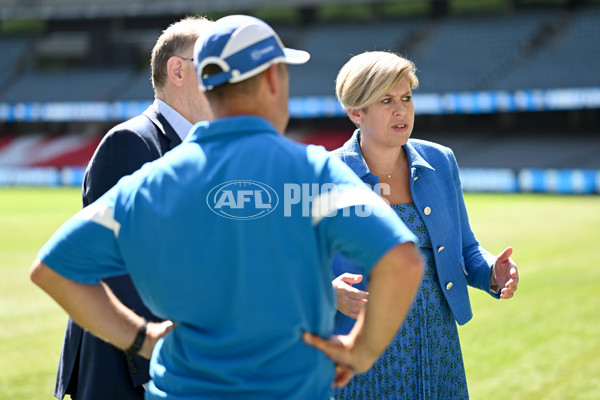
<point x="435" y="186"/>
<point x="90" y="368"/>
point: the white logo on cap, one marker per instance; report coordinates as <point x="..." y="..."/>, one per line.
<point x="257" y="54"/>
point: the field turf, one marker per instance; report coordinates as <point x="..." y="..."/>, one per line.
<point x="542" y="344"/>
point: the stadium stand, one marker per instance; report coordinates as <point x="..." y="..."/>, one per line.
<point x="513" y="50"/>
<point x="466" y="53"/>
<point x="529" y="50"/>
<point x="331" y="46"/>
<point x="140" y="88"/>
<point x="63" y="9"/>
<point x="67" y="85"/>
<point x="47" y="150"/>
<point x="13" y="51"/>
<point x="517" y="149"/>
<point x="569" y="58"/>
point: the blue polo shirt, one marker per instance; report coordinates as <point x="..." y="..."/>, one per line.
<point x="230" y="236"/>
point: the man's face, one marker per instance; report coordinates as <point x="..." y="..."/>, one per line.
<point x="198" y="104"/>
<point x="200" y="107"/>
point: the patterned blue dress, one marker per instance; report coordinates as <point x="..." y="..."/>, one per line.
<point x="424" y="361"/>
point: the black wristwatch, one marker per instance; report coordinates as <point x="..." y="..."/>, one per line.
<point x="136" y="346"/>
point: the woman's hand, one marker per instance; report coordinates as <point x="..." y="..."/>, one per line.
<point x="350" y="300"/>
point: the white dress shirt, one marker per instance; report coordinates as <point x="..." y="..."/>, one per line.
<point x="181" y="125"/>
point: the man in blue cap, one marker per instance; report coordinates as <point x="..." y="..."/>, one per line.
<point x="248" y="223"/>
<point x="90" y="368"/>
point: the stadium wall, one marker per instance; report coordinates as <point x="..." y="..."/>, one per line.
<point x="474" y="180"/>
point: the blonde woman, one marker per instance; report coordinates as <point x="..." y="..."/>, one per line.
<point x="420" y="181"/>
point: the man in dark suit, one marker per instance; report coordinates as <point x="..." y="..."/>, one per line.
<point x="90" y="368"/>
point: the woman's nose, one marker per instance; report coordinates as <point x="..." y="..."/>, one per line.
<point x="399" y="109"/>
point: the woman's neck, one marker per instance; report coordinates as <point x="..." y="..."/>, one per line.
<point x="383" y="160"/>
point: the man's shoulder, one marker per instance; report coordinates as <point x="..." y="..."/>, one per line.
<point x="139" y="124"/>
<point x="288" y="147"/>
<point x="139" y="130"/>
<point x="312" y="153"/>
<point x="126" y="147"/>
<point x="306" y="160"/>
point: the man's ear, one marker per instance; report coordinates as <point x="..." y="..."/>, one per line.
<point x="272" y="78"/>
<point x="174" y="70"/>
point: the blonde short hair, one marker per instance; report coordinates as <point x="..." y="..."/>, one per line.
<point x="367" y="77"/>
<point x="178" y="38"/>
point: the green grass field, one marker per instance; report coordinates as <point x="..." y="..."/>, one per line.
<point x="543" y="344"/>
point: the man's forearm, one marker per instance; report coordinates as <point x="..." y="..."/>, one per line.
<point x="94" y="307"/>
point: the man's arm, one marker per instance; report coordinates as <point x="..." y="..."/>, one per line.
<point x="96" y="309"/>
<point x="393" y="283"/>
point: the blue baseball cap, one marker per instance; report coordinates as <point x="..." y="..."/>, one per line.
<point x="242" y="46"/>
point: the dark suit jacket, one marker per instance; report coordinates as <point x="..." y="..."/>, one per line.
<point x="90" y="368"/>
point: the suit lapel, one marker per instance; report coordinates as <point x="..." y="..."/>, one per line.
<point x="163" y="126"/>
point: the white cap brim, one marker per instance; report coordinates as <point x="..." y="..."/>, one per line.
<point x="293" y="56"/>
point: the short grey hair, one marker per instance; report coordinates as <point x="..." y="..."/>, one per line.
<point x="178" y="38"/>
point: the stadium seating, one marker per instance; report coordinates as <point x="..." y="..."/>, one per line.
<point x="526" y="50"/>
<point x="530" y="49"/>
<point x="331" y="46"/>
<point x="568" y="60"/>
<point x="517" y="149"/>
<point x="466" y="54"/>
<point x="67" y="85"/>
<point x="12" y="50"/>
<point x="139" y="88"/>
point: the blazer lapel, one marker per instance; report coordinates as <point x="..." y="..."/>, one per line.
<point x="163" y="126"/>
